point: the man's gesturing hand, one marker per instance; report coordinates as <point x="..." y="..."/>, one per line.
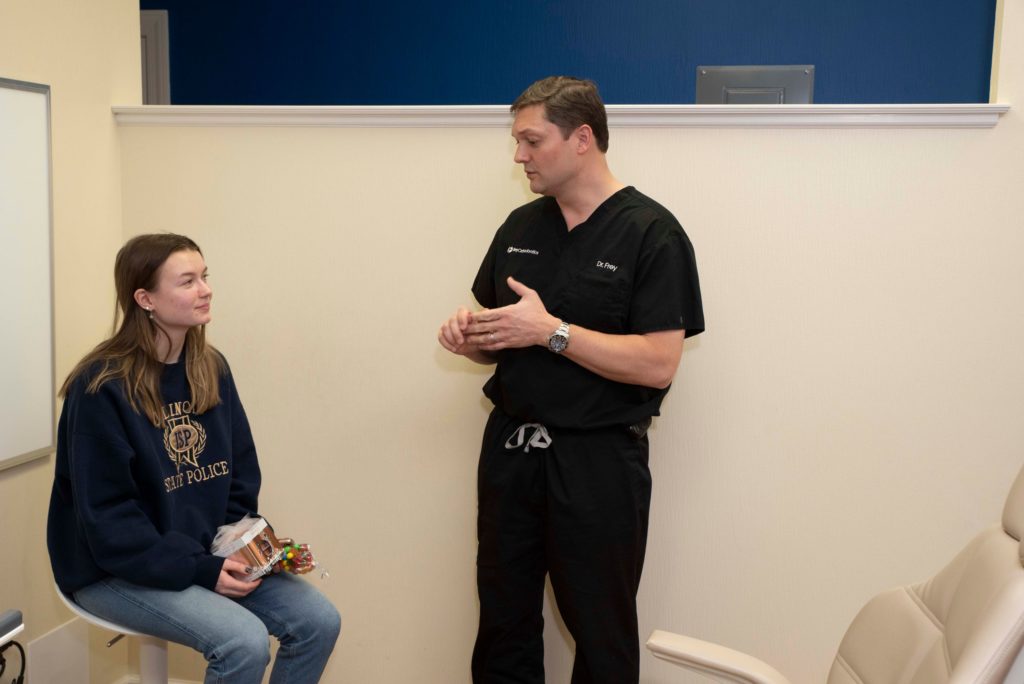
<point x="452" y="335"/>
<point x="523" y="324"/>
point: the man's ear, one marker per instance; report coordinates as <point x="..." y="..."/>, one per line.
<point x="584" y="138"/>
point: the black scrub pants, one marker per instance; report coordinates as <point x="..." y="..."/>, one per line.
<point x="578" y="511"/>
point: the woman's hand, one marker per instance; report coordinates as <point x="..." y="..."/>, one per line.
<point x="232" y="582"/>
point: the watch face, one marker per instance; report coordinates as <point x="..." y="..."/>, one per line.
<point x="558" y="343"/>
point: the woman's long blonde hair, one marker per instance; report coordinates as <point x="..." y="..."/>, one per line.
<point x="130" y="354"/>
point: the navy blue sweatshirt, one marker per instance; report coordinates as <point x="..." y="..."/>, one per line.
<point x="142" y="503"/>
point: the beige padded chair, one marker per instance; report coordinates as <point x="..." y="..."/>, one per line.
<point x="963" y="626"/>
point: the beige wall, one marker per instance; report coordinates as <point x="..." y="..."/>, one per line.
<point x="850" y="418"/>
<point x="88" y="53"/>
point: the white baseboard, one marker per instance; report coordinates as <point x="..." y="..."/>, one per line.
<point x="60" y="655"/>
<point x="134" y="679"/>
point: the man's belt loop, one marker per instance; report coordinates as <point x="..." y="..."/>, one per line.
<point x="639" y="429"/>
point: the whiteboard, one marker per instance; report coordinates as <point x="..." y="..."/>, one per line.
<point x="26" y="274"/>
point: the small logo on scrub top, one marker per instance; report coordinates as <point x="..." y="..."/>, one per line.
<point x="606" y="265"/>
<point x="523" y="250"/>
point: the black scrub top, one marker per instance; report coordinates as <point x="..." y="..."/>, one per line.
<point x="628" y="269"/>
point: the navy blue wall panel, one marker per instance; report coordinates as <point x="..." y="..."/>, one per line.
<point x="642" y="52"/>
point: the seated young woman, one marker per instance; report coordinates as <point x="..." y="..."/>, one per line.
<point x="154" y="454"/>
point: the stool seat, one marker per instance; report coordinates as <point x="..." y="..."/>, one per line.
<point x="152" y="650"/>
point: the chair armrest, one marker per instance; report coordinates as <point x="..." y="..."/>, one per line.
<point x="11" y="624"/>
<point x="712" y="660"/>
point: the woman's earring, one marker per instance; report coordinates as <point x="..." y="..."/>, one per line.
<point x="150" y="313"/>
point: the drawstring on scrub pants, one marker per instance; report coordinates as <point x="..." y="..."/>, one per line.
<point x="540" y="438"/>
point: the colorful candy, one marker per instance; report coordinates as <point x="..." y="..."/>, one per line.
<point x="295" y="558"/>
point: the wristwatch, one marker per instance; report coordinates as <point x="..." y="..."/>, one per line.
<point x="559" y="339"/>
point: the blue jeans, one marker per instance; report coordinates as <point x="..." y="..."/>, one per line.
<point x="232" y="634"/>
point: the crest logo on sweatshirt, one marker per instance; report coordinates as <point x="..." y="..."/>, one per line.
<point x="183" y="439"/>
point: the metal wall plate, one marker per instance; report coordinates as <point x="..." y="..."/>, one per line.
<point x="791" y="84"/>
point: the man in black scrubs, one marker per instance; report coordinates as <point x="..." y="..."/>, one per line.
<point x="588" y="293"/>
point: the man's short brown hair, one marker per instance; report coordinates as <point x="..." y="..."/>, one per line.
<point x="568" y="103"/>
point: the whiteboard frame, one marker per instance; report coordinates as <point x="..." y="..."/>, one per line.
<point x="11" y="460"/>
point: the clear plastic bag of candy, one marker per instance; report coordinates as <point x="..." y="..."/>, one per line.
<point x="253" y="542"/>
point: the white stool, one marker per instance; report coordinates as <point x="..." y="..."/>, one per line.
<point x="152" y="651"/>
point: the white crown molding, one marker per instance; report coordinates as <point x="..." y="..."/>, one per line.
<point x="640" y="116"/>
